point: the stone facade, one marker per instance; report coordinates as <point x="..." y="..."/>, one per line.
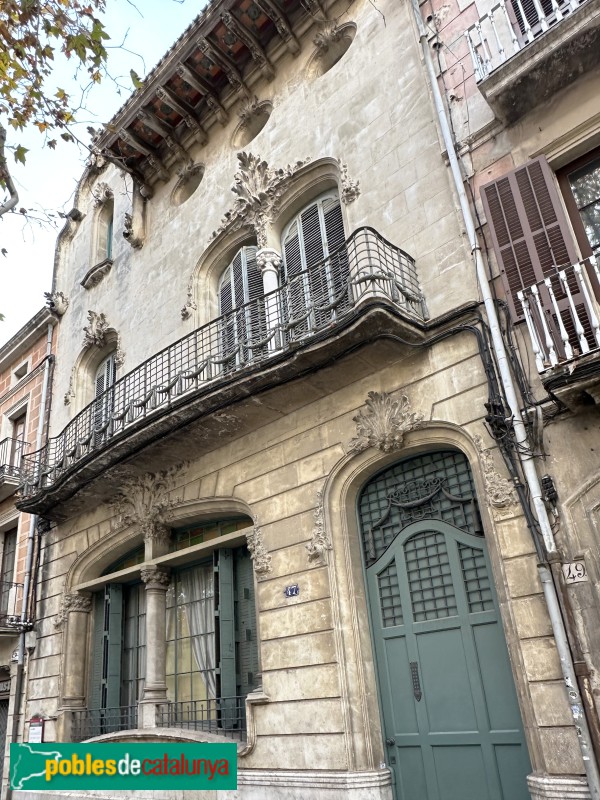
<point x="283" y="431"/>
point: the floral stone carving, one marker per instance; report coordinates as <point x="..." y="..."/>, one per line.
<point x="259" y="189"/>
<point x="75" y="601"/>
<point x="261" y="558"/>
<point x="145" y="501"/>
<point x="385" y="423"/>
<point x="95" y="332"/>
<point x="500" y="491"/>
<point x="320" y="542"/>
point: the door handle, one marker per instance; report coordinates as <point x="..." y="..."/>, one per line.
<point x="416" y="683"/>
<point x="390" y="742"/>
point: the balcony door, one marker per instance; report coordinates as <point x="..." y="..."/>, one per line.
<point x="315" y="266"/>
<point x="241" y="305"/>
<point x="103" y="404"/>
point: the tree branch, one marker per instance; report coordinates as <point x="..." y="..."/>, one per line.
<point x="6" y="177"/>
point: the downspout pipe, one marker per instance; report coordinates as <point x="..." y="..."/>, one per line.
<point x="30" y="552"/>
<point x="529" y="470"/>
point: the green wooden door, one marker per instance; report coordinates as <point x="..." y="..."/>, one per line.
<point x="451" y="720"/>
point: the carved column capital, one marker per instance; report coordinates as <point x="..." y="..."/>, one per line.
<point x="156" y="577"/>
<point x="74" y="601"/>
<point x="268" y="260"/>
<point x="155" y="532"/>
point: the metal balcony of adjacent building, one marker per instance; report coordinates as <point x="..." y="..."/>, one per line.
<point x="563" y="323"/>
<point x="11" y="599"/>
<point x="524" y="51"/>
<point x="315" y="316"/>
<point x="11" y="452"/>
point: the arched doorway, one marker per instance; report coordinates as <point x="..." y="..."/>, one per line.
<point x="450" y="716"/>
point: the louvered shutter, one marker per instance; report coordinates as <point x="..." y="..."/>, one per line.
<point x="105" y="378"/>
<point x="247" y="666"/>
<point x="113" y="645"/>
<point x="227" y="323"/>
<point x="338" y="255"/>
<point x="530" y="234"/>
<point x="225" y="612"/>
<point x="97" y="656"/>
<point x="295" y="283"/>
<point x="255" y="312"/>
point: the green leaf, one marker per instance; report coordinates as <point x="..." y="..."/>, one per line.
<point x="135" y="79"/>
<point x="20" y="153"/>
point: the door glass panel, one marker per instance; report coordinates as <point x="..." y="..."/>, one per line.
<point x="476" y="578"/>
<point x="389" y="596"/>
<point x="429" y="577"/>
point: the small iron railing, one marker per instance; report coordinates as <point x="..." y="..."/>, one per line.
<point x="562" y="314"/>
<point x="11" y="600"/>
<point x="11" y="453"/>
<point x="509" y="27"/>
<point x="225" y="716"/>
<point x="87" y="723"/>
<point x="310" y="303"/>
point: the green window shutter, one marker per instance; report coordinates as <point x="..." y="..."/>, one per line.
<point x="113" y="645"/>
<point x="226" y="624"/>
<point x="97" y="659"/>
<point x="247" y="666"/>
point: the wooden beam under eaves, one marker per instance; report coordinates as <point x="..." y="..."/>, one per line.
<point x="282" y="25"/>
<point x="185" y="111"/>
<point x="146" y="150"/>
<point x="222" y="61"/>
<point x="258" y="54"/>
<point x="200" y="85"/>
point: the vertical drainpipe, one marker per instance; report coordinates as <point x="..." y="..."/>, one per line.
<point x="43" y="419"/>
<point x="529" y="470"/>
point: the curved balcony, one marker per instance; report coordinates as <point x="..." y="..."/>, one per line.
<point x="313" y="305"/>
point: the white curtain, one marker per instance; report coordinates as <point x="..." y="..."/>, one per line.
<point x="197" y="586"/>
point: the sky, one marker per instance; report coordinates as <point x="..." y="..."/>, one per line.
<point x="141" y="32"/>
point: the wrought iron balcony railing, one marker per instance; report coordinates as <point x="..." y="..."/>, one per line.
<point x="11" y="599"/>
<point x="225" y="716"/>
<point x="310" y="303"/>
<point x="11" y="452"/>
<point x="562" y="315"/>
<point x="87" y="723"/>
<point x="509" y="27"/>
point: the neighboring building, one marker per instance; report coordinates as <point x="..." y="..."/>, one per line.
<point x="25" y="369"/>
<point x="278" y="513"/>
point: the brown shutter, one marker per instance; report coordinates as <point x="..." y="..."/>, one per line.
<point x="529" y="229"/>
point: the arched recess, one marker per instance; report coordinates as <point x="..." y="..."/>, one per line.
<point x="109" y="548"/>
<point x="82" y="388"/>
<point x="364" y="741"/>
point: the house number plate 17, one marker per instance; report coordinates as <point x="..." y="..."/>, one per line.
<point x="292" y="591"/>
<point x="575" y="572"/>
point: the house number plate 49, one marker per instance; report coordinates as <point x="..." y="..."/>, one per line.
<point x="575" y="572"/>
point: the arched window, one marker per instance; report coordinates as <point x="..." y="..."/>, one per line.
<point x="316" y="265"/>
<point x="104" y="232"/>
<point x="241" y="304"/>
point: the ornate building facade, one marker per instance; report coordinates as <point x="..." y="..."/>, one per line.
<point x="295" y="481"/>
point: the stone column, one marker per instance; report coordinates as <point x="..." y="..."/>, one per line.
<point x="157" y="581"/>
<point x="77" y="609"/>
<point x="269" y="262"/>
<point x="76" y="614"/>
